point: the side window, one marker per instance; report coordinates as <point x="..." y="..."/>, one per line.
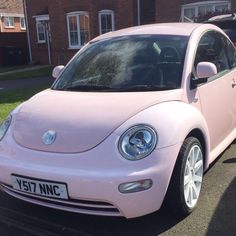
<point x="211" y="48"/>
<point x="231" y="53"/>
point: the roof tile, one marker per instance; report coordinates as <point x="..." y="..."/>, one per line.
<point x="11" y="6"/>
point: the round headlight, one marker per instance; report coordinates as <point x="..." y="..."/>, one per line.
<point x="137" y="142"/>
<point x="4" y="127"/>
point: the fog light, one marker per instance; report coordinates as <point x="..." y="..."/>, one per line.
<point x="136" y="186"/>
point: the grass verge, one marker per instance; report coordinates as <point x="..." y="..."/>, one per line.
<point x="31" y="73"/>
<point x="11" y="98"/>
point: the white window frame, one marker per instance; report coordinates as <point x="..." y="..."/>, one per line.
<point x="39" y="19"/>
<point x="106" y="12"/>
<point x="38" y="22"/>
<point x="76" y="14"/>
<point x="9" y="26"/>
<point x="22" y="27"/>
<point x="196" y="6"/>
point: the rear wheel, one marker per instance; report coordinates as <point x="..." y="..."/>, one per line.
<point x="186" y="181"/>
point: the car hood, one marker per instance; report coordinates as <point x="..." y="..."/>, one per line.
<point x="81" y="120"/>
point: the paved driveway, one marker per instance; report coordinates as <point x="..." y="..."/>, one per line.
<point x="215" y="216"/>
<point x="25" y="83"/>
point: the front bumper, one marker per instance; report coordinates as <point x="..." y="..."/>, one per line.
<point x="92" y="177"/>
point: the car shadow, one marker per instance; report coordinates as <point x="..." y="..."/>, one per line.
<point x="29" y="214"/>
<point x="223" y="221"/>
<point x="230" y="161"/>
<point x="151" y="225"/>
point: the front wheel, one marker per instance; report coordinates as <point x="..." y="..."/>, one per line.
<point x="186" y="182"/>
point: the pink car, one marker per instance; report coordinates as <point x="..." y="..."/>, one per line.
<point x="135" y="117"/>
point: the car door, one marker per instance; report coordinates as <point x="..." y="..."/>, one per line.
<point x="218" y="95"/>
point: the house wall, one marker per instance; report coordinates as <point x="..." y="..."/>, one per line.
<point x="39" y="51"/>
<point x="125" y="16"/>
<point x="147" y="11"/>
<point x="16" y="28"/>
<point x="57" y="10"/>
<point x="170" y="11"/>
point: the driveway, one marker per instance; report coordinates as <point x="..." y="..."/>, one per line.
<point x="25" y="83"/>
<point x="215" y="215"/>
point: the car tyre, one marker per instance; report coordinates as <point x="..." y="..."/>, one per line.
<point x="186" y="181"/>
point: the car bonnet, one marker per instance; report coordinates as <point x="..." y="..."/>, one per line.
<point x="72" y="122"/>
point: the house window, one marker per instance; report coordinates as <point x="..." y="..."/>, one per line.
<point x="41" y="34"/>
<point x="78" y="29"/>
<point x="22" y="23"/>
<point x="201" y="11"/>
<point x="106" y="21"/>
<point x="9" y="22"/>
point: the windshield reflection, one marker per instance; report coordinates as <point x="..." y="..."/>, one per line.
<point x="135" y="63"/>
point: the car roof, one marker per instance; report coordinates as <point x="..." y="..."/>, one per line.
<point x="184" y="29"/>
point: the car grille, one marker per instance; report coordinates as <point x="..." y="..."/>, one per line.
<point x="72" y="205"/>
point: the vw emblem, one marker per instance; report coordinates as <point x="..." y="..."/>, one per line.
<point x="49" y="137"/>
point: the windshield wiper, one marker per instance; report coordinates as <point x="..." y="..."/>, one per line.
<point x="88" y="88"/>
<point x="145" y="88"/>
<point x="99" y="88"/>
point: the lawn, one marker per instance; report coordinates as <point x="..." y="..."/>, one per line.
<point x="11" y="98"/>
<point x="30" y="73"/>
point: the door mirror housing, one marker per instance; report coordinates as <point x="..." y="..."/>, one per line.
<point x="57" y="71"/>
<point x="204" y="71"/>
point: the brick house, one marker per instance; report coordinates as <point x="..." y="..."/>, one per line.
<point x="13" y="38"/>
<point x="12" y="16"/>
<point x="59" y="28"/>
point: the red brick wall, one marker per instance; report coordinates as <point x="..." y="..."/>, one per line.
<point x="125" y="16"/>
<point x="147" y="11"/>
<point x="16" y="28"/>
<point x="168" y="11"/>
<point x="39" y="51"/>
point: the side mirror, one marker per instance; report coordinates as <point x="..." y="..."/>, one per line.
<point x="57" y="71"/>
<point x="204" y="71"/>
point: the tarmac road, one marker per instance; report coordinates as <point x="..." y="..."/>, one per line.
<point x="25" y="83"/>
<point x="215" y="215"/>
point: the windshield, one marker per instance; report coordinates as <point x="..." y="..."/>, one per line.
<point x="134" y="63"/>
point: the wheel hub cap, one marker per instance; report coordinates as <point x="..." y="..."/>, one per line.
<point x="193" y="176"/>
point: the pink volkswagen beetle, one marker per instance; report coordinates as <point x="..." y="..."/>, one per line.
<point x="134" y="119"/>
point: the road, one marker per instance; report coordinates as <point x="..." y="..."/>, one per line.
<point x="25" y="83"/>
<point x="215" y="215"/>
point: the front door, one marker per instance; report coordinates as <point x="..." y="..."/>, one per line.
<point x="218" y="95"/>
